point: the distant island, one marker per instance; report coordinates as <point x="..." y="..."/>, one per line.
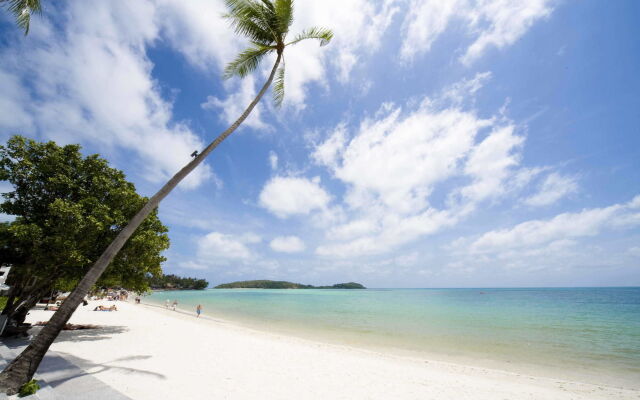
<point x="266" y="284"/>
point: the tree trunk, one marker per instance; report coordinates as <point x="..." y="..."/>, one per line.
<point x="21" y="370"/>
<point x="20" y="313"/>
<point x="21" y="300"/>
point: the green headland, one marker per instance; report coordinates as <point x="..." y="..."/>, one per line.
<point x="267" y="284"/>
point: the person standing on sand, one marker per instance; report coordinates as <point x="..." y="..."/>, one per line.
<point x="175" y="304"/>
<point x="166" y="304"/>
<point x="198" y="310"/>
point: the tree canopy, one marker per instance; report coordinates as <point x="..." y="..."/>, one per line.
<point x="267" y="284"/>
<point x="176" y="282"/>
<point x="67" y="209"/>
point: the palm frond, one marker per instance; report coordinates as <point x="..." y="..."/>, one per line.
<point x="246" y="62"/>
<point x="322" y="34"/>
<point x="252" y="19"/>
<point x="22" y="10"/>
<point x="246" y="22"/>
<point x="268" y="4"/>
<point x="284" y="12"/>
<point x="278" y="86"/>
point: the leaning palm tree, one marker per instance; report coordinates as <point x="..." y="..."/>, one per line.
<point x="22" y="11"/>
<point x="266" y="24"/>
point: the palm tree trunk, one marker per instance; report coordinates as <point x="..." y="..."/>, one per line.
<point x="21" y="370"/>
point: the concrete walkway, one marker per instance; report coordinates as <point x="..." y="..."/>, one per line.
<point x="59" y="377"/>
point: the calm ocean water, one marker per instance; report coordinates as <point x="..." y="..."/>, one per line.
<point x="586" y="334"/>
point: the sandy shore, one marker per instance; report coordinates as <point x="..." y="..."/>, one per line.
<point x="151" y="353"/>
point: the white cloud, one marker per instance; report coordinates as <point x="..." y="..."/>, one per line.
<point x="353" y="229"/>
<point x="589" y="222"/>
<point x="492" y="23"/>
<point x="398" y="160"/>
<point x="217" y="246"/>
<point x="502" y="22"/>
<point x="91" y="83"/>
<point x="196" y="29"/>
<point x="395" y="161"/>
<point x="552" y="189"/>
<point x="234" y="105"/>
<point x="327" y="153"/>
<point x="634" y="251"/>
<point x="425" y="21"/>
<point x="287" y="244"/>
<point x="13" y="115"/>
<point x="273" y="160"/>
<point x="490" y="164"/>
<point x="358" y="26"/>
<point x="286" y="196"/>
<point x="467" y="88"/>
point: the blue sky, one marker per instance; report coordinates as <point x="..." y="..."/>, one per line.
<point x="431" y="144"/>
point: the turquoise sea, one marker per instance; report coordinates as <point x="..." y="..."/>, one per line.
<point x="584" y="334"/>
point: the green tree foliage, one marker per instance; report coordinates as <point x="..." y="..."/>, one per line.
<point x="175" y="282"/>
<point x="267" y="284"/>
<point x="67" y="209"/>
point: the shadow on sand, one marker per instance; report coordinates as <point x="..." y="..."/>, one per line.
<point x="79" y="367"/>
<point x="90" y="335"/>
<point x="73" y="377"/>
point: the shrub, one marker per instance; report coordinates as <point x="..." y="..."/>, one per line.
<point x="29" y="388"/>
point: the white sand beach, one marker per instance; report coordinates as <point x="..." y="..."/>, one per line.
<point x="147" y="352"/>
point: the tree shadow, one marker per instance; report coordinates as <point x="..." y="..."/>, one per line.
<point x="80" y="335"/>
<point x="90" y="335"/>
<point x="67" y="367"/>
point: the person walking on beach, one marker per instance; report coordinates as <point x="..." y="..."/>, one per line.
<point x="166" y="304"/>
<point x="198" y="310"/>
<point x="175" y="304"/>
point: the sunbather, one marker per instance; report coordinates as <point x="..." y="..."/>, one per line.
<point x="103" y="308"/>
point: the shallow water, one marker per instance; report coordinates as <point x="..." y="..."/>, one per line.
<point x="586" y="334"/>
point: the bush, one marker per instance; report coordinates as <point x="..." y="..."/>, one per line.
<point x="29" y="388"/>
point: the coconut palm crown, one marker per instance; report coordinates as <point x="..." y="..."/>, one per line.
<point x="22" y="11"/>
<point x="266" y="23"/>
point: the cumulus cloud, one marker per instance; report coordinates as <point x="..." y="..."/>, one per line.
<point x="358" y="26"/>
<point x="287" y="244"/>
<point x="553" y="188"/>
<point x="394" y="161"/>
<point x="492" y="23"/>
<point x="397" y="159"/>
<point x="287" y="196"/>
<point x="216" y="246"/>
<point x="91" y="83"/>
<point x="196" y="29"/>
<point x="589" y="222"/>
<point x="490" y="164"/>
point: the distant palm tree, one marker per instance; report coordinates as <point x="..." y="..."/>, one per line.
<point x="22" y="11"/>
<point x="266" y="24"/>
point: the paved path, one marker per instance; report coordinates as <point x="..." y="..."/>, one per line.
<point x="60" y="377"/>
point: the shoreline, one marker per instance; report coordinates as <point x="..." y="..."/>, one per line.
<point x="541" y="367"/>
<point x="150" y="352"/>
